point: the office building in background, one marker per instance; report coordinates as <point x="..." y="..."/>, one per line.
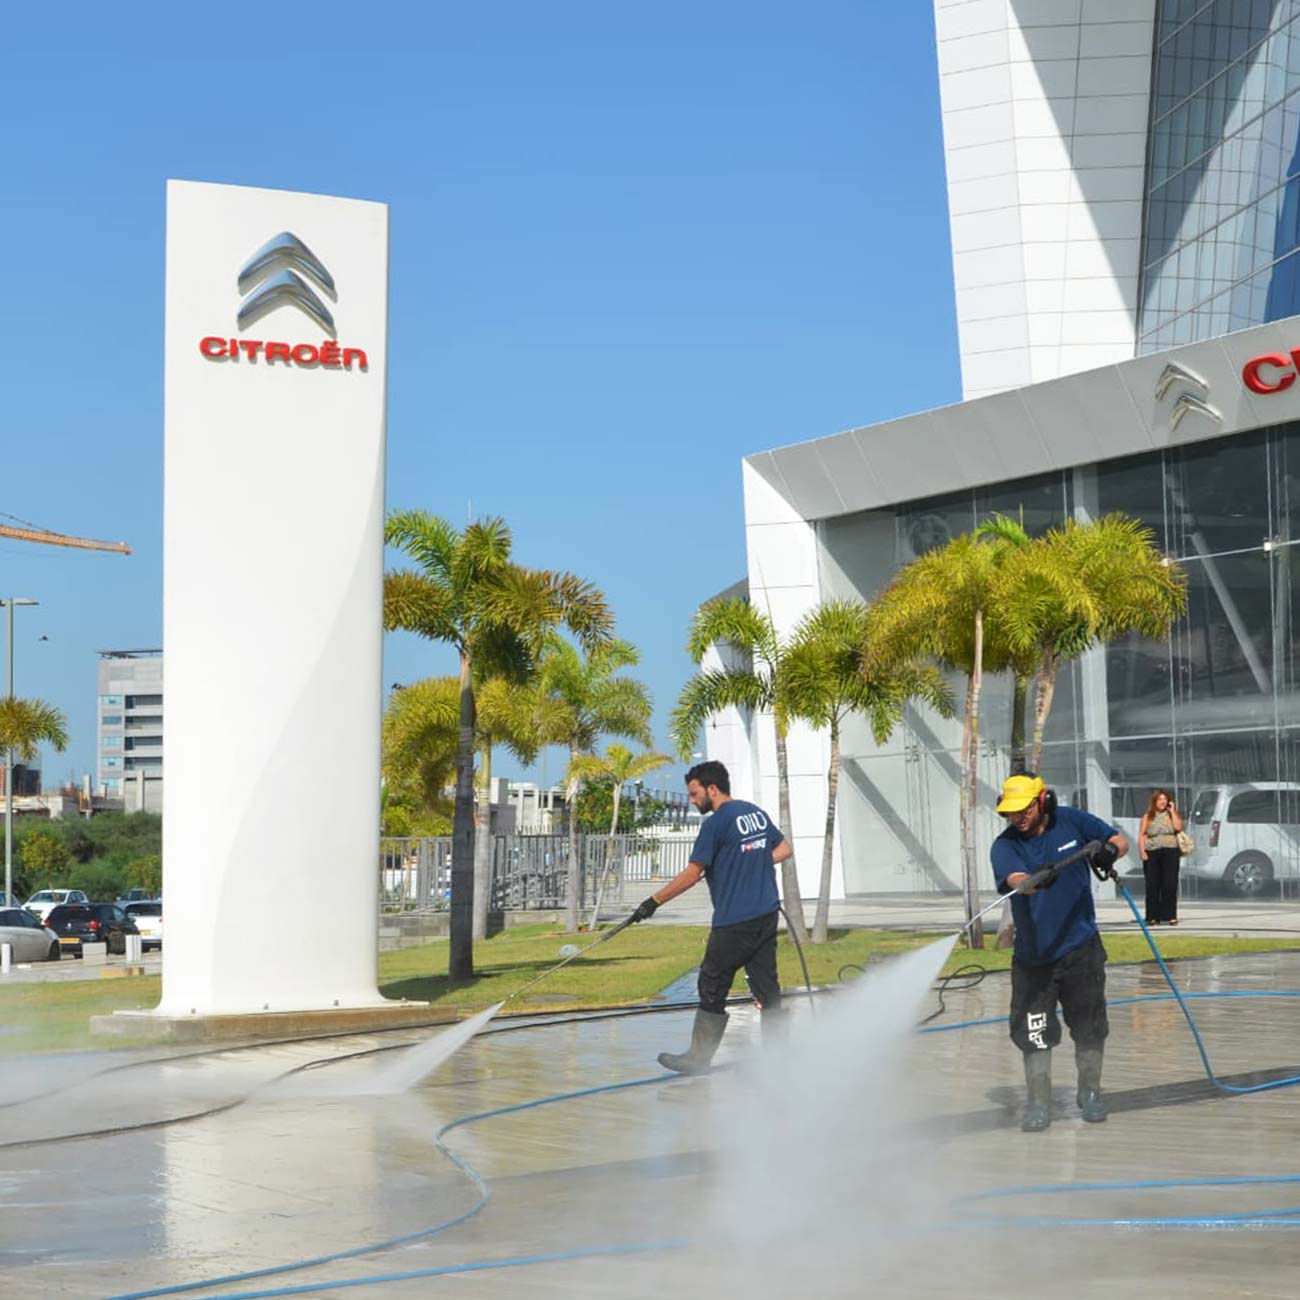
<point x="129" y="731"/>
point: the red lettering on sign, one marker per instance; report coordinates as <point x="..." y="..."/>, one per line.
<point x="1258" y="383"/>
<point x="306" y="355"/>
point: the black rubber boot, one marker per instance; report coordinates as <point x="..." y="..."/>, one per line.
<point x="1038" y="1087"/>
<point x="1087" y="1061"/>
<point x="706" y="1034"/>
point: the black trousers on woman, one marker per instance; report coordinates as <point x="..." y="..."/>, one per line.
<point x="1161" y="872"/>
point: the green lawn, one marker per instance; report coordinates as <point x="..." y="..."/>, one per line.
<point x="632" y="967"/>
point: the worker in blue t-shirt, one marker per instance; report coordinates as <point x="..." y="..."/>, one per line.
<point x="1058" y="954"/>
<point x="736" y="852"/>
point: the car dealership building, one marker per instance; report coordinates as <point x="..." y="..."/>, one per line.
<point x="1124" y="193"/>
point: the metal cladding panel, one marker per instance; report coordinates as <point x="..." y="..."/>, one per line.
<point x="1086" y="417"/>
<point x="1098" y="415"/>
<point x="805" y="475"/>
<point x="902" y="456"/>
<point x="767" y="499"/>
<point x="857" y="485"/>
<point x="273" y="579"/>
<point x="1000" y="432"/>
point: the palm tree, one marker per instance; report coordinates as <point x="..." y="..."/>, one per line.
<point x="938" y="607"/>
<point x="619" y="765"/>
<point x="1010" y="542"/>
<point x="589" y="699"/>
<point x="758" y="685"/>
<point x="1126" y="585"/>
<point x="829" y="677"/>
<point x="465" y="590"/>
<point x="419" y="747"/>
<point x="519" y="716"/>
<point x="25" y="725"/>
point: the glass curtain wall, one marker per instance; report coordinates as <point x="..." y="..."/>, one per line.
<point x="1211" y="712"/>
<point x="1222" y="226"/>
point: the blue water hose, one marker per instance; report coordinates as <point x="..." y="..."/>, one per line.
<point x="1282" y="1217"/>
<point x="408" y="1238"/>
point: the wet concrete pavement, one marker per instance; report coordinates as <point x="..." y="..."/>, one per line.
<point x="296" y="1168"/>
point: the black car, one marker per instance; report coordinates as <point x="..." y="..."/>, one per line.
<point x="78" y="923"/>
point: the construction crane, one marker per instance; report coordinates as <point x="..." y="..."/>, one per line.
<point x="30" y="534"/>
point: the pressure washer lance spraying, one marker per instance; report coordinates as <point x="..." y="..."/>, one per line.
<point x="571" y="954"/>
<point x="1097" y="855"/>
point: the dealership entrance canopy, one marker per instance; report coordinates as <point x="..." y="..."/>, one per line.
<point x="1202" y="443"/>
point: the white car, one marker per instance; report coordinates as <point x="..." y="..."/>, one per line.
<point x="147" y="916"/>
<point x="28" y="938"/>
<point x="44" y="901"/>
<point x="1247" y="835"/>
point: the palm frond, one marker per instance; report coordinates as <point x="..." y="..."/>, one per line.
<point x="734" y="623"/>
<point x="428" y="539"/>
<point x="414" y="602"/>
<point x="710" y="693"/>
<point x="27" y="724"/>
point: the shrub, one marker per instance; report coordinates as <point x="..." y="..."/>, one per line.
<point x="101" y="881"/>
<point x="146" y="873"/>
<point x="45" y="859"/>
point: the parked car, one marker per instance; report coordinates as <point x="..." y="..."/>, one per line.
<point x="44" y="901"/>
<point x="78" y="923"/>
<point x="136" y="895"/>
<point x="148" y="919"/>
<point x="28" y="938"/>
<point x="1247" y="835"/>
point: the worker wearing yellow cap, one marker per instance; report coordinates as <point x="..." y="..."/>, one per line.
<point x="1058" y="957"/>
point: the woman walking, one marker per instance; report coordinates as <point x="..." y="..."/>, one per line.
<point x="1158" y="842"/>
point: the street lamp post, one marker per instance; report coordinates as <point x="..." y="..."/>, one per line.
<point x="9" y="753"/>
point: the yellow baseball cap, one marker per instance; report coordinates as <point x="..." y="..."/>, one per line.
<point x="1018" y="792"/>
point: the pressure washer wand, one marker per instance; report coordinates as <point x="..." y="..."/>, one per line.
<point x="573" y="956"/>
<point x="1041" y="879"/>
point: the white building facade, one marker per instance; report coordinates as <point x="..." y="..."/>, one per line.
<point x="1124" y="189"/>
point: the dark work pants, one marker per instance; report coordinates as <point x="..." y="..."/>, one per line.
<point x="1078" y="982"/>
<point x="1161" y="872"/>
<point x="748" y="944"/>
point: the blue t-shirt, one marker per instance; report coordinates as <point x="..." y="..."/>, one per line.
<point x="734" y="847"/>
<point x="1051" y="922"/>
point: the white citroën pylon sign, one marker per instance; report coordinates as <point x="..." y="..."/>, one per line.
<point x="276" y="356"/>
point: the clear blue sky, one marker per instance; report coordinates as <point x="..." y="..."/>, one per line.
<point x="630" y="245"/>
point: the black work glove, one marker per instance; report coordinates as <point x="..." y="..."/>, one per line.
<point x="1043" y="879"/>
<point x="1102" y="861"/>
<point x="645" y="911"/>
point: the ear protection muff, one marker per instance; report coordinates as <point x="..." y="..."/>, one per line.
<point x="1047" y="801"/>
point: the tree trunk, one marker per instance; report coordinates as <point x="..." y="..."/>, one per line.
<point x="609" y="856"/>
<point x="460" y="965"/>
<point x="821" y="922"/>
<point x="483" y="844"/>
<point x="969" y="785"/>
<point x="573" y="883"/>
<point x="789" y="875"/>
<point x="1043" y="704"/>
<point x="1019" y="708"/>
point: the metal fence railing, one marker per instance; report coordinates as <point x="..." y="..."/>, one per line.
<point x="529" y="872"/>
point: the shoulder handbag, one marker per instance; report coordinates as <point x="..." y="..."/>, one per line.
<point x="1185" y="842"/>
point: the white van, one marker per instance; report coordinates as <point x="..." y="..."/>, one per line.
<point x="1246" y="835"/>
